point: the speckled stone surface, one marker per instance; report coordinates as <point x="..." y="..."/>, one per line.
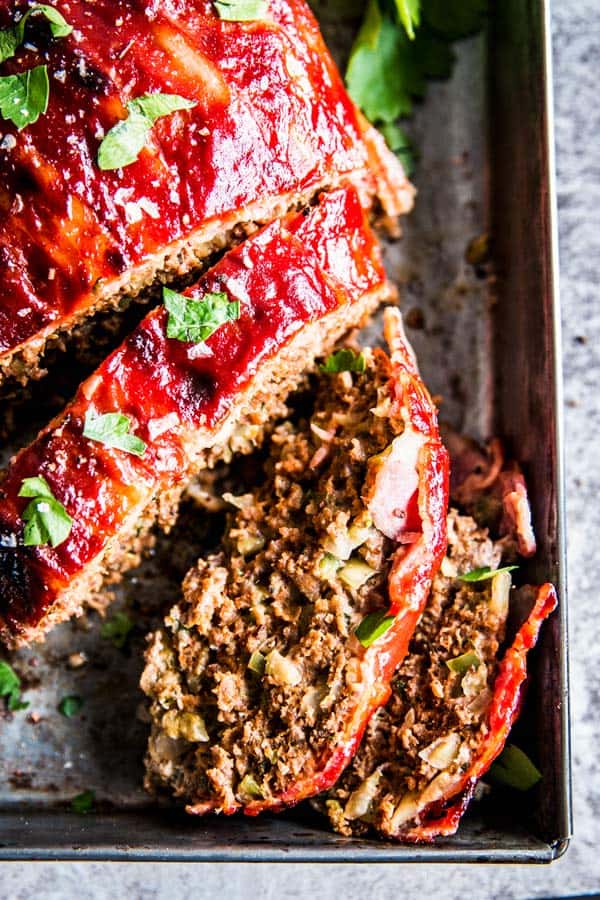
<point x="577" y="80"/>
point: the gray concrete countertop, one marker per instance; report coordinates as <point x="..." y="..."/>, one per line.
<point x="577" y="83"/>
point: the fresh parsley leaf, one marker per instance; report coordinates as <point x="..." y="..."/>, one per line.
<point x="399" y="142"/>
<point x="241" y="10"/>
<point x="195" y="320"/>
<point x="11" y="38"/>
<point x="484" y="574"/>
<point x="344" y="360"/>
<point x="514" y="769"/>
<point x="69" y="706"/>
<point x="409" y="13"/>
<point x="373" y="627"/>
<point x="10" y="687"/>
<point x="47" y="521"/>
<point x="112" y="429"/>
<point x="122" y="145"/>
<point x="24" y="97"/>
<point x="83" y="803"/>
<point x="116" y="629"/>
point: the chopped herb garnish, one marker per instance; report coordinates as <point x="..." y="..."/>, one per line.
<point x="112" y="429"/>
<point x="485" y="573"/>
<point x="402" y="146"/>
<point x="83" y="803"/>
<point x="249" y="787"/>
<point x="241" y="10"/>
<point x="195" y="320"/>
<point x="24" y="97"/>
<point x="344" y="360"/>
<point x="373" y="627"/>
<point x="514" y="769"/>
<point x="462" y="664"/>
<point x="409" y="13"/>
<point x="116" y="629"/>
<point x="70" y="706"/>
<point x="10" y="687"/>
<point x="47" y="521"/>
<point x="257" y="663"/>
<point x="125" y="141"/>
<point x="11" y="38"/>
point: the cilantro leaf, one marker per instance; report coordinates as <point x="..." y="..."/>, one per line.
<point x="195" y="320"/>
<point x="344" y="360"/>
<point x="112" y="429"/>
<point x="24" y="97"/>
<point x="69" y="706"/>
<point x="241" y="10"/>
<point x="454" y="19"/>
<point x="11" y="38"/>
<point x="484" y="574"/>
<point x="83" y="803"/>
<point x="514" y="769"/>
<point x="409" y="13"/>
<point x="122" y="145"/>
<point x="116" y="629"/>
<point x="399" y="142"/>
<point x="47" y="521"/>
<point x="10" y="687"/>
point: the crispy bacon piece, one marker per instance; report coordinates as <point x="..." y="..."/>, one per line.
<point x="272" y="126"/>
<point x="301" y="282"/>
<point x="270" y="746"/>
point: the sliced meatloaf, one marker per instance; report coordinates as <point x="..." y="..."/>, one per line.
<point x="267" y="124"/>
<point x="175" y="405"/>
<point x="283" y="644"/>
<point x="452" y="706"/>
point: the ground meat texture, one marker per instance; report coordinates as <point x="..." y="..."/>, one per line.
<point x="261" y="652"/>
<point x="429" y="731"/>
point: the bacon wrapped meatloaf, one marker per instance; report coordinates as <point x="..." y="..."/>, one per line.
<point x="138" y="137"/>
<point x="197" y="379"/>
<point x="268" y="669"/>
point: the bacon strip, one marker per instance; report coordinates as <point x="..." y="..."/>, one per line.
<point x="301" y="282"/>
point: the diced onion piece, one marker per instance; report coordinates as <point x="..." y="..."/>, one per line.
<point x="342" y="543"/>
<point x="499" y="601"/>
<point x="406" y="810"/>
<point x="360" y="801"/>
<point x="187" y="725"/>
<point x="282" y="670"/>
<point x="249" y="789"/>
<point x="355" y="573"/>
<point x="257" y="663"/>
<point x="442" y="752"/>
<point x="249" y="544"/>
<point x="329" y="565"/>
<point x="241" y="502"/>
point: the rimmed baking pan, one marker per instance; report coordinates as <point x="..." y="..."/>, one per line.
<point x="490" y="348"/>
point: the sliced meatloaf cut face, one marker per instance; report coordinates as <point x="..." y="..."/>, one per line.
<point x="282" y="646"/>
<point x="271" y="126"/>
<point x="290" y="291"/>
<point x="454" y="700"/>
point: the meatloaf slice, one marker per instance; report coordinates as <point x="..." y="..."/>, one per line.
<point x="270" y="127"/>
<point x="299" y="284"/>
<point x="452" y="706"/>
<point x="283" y="644"/>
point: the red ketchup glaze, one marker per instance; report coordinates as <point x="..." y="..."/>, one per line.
<point x="272" y="119"/>
<point x="169" y="388"/>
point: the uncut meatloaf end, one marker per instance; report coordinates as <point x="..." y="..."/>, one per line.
<point x="272" y="125"/>
<point x="259" y="685"/>
<point x="301" y="283"/>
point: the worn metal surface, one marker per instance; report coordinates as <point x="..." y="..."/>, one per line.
<point x="479" y="350"/>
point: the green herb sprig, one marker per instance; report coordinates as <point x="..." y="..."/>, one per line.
<point x="195" y="320"/>
<point x="10" y="688"/>
<point x="47" y="521"/>
<point x="12" y="37"/>
<point x="122" y="145"/>
<point x="112" y="430"/>
<point x="70" y="705"/>
<point x="484" y="574"/>
<point x="241" y="10"/>
<point x="117" y="629"/>
<point x="344" y="360"/>
<point x="24" y="97"/>
<point x="373" y="627"/>
<point x="514" y="769"/>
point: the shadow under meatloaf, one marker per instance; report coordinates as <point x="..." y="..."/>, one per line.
<point x="260" y="688"/>
<point x="272" y="125"/>
<point x="301" y="283"/>
<point x="453" y="701"/>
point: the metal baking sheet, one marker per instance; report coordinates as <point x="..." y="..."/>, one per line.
<point x="490" y="348"/>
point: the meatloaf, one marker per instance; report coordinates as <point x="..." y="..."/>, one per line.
<point x="76" y="508"/>
<point x="284" y="643"/>
<point x="260" y="124"/>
